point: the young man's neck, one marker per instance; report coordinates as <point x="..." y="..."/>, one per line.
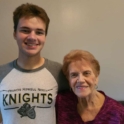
<point x="30" y="62"/>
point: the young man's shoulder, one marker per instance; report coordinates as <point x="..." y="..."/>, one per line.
<point x="5" y="69"/>
<point x="6" y="66"/>
<point x="53" y="63"/>
<point x="55" y="68"/>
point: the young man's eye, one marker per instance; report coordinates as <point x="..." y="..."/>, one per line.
<point x="40" y="33"/>
<point x="25" y="31"/>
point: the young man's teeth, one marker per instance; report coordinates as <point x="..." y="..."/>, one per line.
<point x="30" y="44"/>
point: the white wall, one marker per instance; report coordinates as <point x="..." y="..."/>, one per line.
<point x="93" y="25"/>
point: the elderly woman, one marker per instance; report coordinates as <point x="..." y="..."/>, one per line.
<point x="84" y="104"/>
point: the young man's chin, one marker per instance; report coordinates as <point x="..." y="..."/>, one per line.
<point x="30" y="54"/>
<point x="33" y="54"/>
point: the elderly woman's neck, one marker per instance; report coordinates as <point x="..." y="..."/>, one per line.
<point x="93" y="101"/>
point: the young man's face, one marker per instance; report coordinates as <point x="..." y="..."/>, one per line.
<point x="30" y="36"/>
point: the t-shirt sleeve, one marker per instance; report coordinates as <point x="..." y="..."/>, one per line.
<point x="55" y="69"/>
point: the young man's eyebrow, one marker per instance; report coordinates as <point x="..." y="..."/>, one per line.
<point x="39" y="29"/>
<point x="24" y="27"/>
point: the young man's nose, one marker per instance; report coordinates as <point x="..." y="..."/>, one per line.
<point x="31" y="36"/>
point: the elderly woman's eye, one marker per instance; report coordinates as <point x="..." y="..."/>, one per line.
<point x="72" y="75"/>
<point x="87" y="73"/>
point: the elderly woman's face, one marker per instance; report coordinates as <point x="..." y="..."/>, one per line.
<point x="82" y="78"/>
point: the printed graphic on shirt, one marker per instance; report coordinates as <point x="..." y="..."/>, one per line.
<point x="27" y="110"/>
<point x="29" y="98"/>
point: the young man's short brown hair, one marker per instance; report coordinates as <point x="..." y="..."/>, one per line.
<point x="30" y="10"/>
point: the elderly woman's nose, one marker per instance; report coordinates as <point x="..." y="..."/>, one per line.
<point x="81" y="77"/>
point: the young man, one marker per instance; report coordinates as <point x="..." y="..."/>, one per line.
<point x="29" y="84"/>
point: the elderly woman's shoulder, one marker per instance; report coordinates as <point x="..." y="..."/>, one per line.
<point x="114" y="104"/>
<point x="121" y="101"/>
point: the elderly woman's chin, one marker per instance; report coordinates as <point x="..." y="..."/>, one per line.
<point x="82" y="93"/>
